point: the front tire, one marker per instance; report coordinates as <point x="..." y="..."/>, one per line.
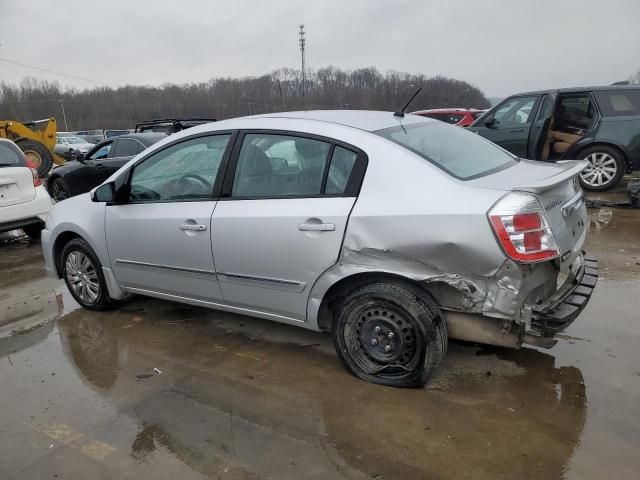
<point x="34" y="232"/>
<point x="605" y="170"/>
<point x="390" y="333"/>
<point x="82" y="273"/>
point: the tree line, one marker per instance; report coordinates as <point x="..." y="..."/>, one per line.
<point x="226" y="97"/>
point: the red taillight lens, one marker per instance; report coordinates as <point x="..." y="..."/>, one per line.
<point x="34" y="172"/>
<point x="522" y="229"/>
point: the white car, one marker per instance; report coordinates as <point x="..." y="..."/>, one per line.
<point x="24" y="202"/>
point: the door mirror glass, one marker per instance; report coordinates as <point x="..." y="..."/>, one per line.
<point x="80" y="157"/>
<point x="104" y="193"/>
<point x="491" y="122"/>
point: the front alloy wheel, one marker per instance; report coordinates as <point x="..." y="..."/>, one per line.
<point x="83" y="275"/>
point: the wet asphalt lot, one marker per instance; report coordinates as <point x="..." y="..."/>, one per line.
<point x="242" y="398"/>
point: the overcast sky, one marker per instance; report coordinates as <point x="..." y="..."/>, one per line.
<point x="501" y="46"/>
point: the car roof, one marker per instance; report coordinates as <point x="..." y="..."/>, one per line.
<point x="146" y="138"/>
<point x="578" y="89"/>
<point x="368" y="120"/>
<point x="445" y="110"/>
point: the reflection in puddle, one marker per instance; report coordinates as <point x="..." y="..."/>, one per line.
<point x="228" y="400"/>
<point x="601" y="217"/>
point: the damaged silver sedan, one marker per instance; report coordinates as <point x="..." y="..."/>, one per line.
<point x="391" y="232"/>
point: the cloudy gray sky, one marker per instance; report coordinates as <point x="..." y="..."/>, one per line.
<point x="501" y="46"/>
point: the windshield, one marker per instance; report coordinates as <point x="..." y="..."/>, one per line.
<point x="458" y="152"/>
<point x="74" y="140"/>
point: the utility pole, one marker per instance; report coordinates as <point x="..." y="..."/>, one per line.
<point x="64" y="116"/>
<point x="302" y="41"/>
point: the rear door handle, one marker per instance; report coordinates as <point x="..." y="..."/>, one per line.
<point x="517" y="130"/>
<point x="316" y="227"/>
<point x="193" y="227"/>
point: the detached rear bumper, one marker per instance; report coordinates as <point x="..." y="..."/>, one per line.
<point x="572" y="297"/>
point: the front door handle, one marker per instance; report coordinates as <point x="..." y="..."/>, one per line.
<point x="99" y="166"/>
<point x="519" y="130"/>
<point x="316" y="227"/>
<point x="193" y="227"/>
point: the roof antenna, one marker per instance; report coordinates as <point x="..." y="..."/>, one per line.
<point x="401" y="112"/>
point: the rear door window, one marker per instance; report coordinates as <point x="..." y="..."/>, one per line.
<point x="618" y="103"/>
<point x="126" y="147"/>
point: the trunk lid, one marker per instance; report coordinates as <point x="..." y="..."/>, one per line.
<point x="16" y="186"/>
<point x="557" y="188"/>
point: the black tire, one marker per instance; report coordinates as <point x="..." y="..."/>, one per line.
<point x="58" y="189"/>
<point x="38" y="154"/>
<point x="602" y="159"/>
<point x="362" y="329"/>
<point x="102" y="299"/>
<point x="34" y="231"/>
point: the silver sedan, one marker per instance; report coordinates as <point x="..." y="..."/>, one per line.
<point x="393" y="233"/>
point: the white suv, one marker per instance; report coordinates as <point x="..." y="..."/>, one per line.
<point x="24" y="202"/>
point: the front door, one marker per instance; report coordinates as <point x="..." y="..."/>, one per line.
<point x="124" y="149"/>
<point x="159" y="239"/>
<point x="538" y="142"/>
<point x="509" y="124"/>
<point x="283" y="221"/>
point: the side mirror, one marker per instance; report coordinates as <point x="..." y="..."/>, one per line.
<point x="80" y="157"/>
<point x="491" y="122"/>
<point x="104" y="193"/>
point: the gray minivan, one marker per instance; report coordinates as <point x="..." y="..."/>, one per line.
<point x="597" y="124"/>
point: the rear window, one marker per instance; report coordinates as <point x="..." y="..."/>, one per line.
<point x="618" y="103"/>
<point x="451" y="118"/>
<point x="460" y="153"/>
<point x="10" y="156"/>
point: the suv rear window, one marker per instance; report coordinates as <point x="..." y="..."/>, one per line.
<point x="618" y="103"/>
<point x="458" y="152"/>
<point x="10" y="156"/>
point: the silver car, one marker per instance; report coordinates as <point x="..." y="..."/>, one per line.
<point x="391" y="232"/>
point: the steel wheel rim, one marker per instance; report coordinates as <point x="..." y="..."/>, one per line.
<point x="601" y="170"/>
<point x="34" y="156"/>
<point x="58" y="191"/>
<point x="82" y="277"/>
<point x="384" y="340"/>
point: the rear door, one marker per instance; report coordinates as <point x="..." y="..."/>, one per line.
<point x="510" y="123"/>
<point x="281" y="224"/>
<point x="16" y="179"/>
<point x="124" y="149"/>
<point x="540" y="128"/>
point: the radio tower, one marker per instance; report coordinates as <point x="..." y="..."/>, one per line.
<point x="302" y="41"/>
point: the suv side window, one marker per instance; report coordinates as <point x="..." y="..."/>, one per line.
<point x="126" y="147"/>
<point x="618" y="103"/>
<point x="280" y="166"/>
<point x="184" y="171"/>
<point x="516" y="110"/>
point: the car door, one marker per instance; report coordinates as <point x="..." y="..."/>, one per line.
<point x="540" y="127"/>
<point x="159" y="234"/>
<point x="509" y="124"/>
<point x="124" y="149"/>
<point x="281" y="219"/>
<point x="85" y="176"/>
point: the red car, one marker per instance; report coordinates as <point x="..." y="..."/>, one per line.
<point x="463" y="117"/>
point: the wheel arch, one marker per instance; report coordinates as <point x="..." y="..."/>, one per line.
<point x="617" y="148"/>
<point x="341" y="288"/>
<point x="61" y="240"/>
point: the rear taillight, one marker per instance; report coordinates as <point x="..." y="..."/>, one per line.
<point x="34" y="172"/>
<point x="522" y="228"/>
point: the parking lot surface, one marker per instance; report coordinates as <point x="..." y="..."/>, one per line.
<point x="158" y="390"/>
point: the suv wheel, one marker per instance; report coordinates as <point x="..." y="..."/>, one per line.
<point x="605" y="170"/>
<point x="390" y="333"/>
<point x="59" y="190"/>
<point x="82" y="273"/>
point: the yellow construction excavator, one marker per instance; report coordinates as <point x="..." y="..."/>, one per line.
<point x="36" y="143"/>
